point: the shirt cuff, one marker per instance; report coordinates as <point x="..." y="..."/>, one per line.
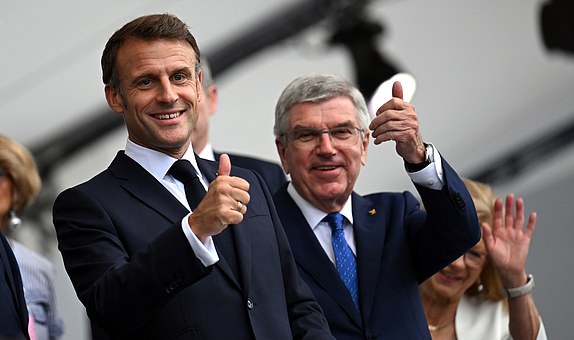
<point x="205" y="252"/>
<point x="431" y="176"/>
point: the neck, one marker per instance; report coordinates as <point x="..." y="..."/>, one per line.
<point x="439" y="313"/>
<point x="437" y="327"/>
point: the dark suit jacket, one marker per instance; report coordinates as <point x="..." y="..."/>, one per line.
<point x="13" y="312"/>
<point x="272" y="173"/>
<point x="398" y="246"/>
<point x="133" y="269"/>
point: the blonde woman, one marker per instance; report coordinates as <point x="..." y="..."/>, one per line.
<point x="486" y="293"/>
<point x="20" y="184"/>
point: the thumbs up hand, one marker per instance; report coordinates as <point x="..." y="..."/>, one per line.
<point x="224" y="203"/>
<point x="397" y="120"/>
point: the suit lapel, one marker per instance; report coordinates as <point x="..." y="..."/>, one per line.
<point x="231" y="244"/>
<point x="369" y="227"/>
<point x="143" y="186"/>
<point x="309" y="254"/>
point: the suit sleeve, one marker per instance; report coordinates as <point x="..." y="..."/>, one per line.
<point x="120" y="287"/>
<point x="13" y="312"/>
<point x="447" y="229"/>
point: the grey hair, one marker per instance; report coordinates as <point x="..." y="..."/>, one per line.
<point x="207" y="77"/>
<point x="317" y="88"/>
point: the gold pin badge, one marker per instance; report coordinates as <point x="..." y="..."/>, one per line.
<point x="372" y="212"/>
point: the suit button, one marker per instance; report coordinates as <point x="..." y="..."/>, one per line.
<point x="459" y="200"/>
<point x="249" y="304"/>
<point x="172" y="287"/>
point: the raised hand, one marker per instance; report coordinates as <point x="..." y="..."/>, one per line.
<point x="397" y="120"/>
<point x="507" y="241"/>
<point x="224" y="203"/>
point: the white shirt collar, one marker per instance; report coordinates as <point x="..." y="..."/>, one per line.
<point x="155" y="162"/>
<point x="314" y="215"/>
<point x="207" y="152"/>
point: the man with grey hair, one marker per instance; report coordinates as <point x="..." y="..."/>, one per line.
<point x="271" y="173"/>
<point x="364" y="256"/>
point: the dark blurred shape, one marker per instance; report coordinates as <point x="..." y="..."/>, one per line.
<point x="557" y="25"/>
<point x="533" y="153"/>
<point x="272" y="29"/>
<point x="359" y="35"/>
<point x="54" y="150"/>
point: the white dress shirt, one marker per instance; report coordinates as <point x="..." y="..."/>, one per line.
<point x="158" y="165"/>
<point x="207" y="152"/>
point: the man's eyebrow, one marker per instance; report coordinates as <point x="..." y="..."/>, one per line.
<point x="138" y="77"/>
<point x="348" y="123"/>
<point x="187" y="70"/>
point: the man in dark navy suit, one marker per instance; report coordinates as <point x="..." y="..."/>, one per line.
<point x="364" y="256"/>
<point x="272" y="173"/>
<point x="163" y="244"/>
<point x="13" y="312"/>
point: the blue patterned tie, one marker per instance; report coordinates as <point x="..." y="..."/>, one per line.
<point x="344" y="258"/>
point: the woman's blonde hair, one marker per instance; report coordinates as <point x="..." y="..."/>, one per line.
<point x="18" y="164"/>
<point x="490" y="286"/>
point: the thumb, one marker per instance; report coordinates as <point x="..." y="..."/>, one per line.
<point x="224" y="165"/>
<point x="397" y="90"/>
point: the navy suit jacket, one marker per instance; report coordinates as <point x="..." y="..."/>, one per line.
<point x="398" y="246"/>
<point x="272" y="173"/>
<point x="133" y="269"/>
<point x="13" y="312"/>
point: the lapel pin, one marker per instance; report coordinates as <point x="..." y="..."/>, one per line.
<point x="372" y="212"/>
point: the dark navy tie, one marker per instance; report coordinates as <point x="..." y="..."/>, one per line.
<point x="183" y="171"/>
<point x="344" y="257"/>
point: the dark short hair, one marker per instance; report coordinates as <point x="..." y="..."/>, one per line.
<point x="148" y="27"/>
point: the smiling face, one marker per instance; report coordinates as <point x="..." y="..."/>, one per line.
<point x="452" y="281"/>
<point x="322" y="172"/>
<point x="159" y="93"/>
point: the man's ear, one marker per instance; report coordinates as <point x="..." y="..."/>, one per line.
<point x="199" y="87"/>
<point x="281" y="151"/>
<point x="211" y="96"/>
<point x="114" y="99"/>
<point x="365" y="145"/>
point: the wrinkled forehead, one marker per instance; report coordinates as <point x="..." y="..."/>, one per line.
<point x="336" y="110"/>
